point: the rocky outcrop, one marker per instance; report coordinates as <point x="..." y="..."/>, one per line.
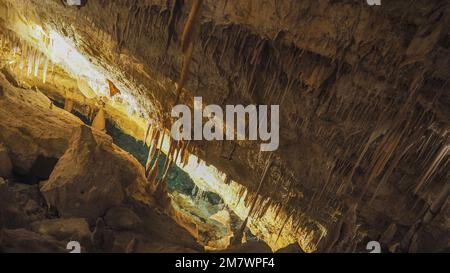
<point x="362" y="90"/>
<point x="83" y="183"/>
<point x="70" y="229"/>
<point x="95" y="193"/>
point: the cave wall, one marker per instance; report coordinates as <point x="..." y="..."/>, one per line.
<point x="363" y="94"/>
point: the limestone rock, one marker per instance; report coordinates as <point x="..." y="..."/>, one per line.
<point x="11" y="214"/>
<point x="335" y="85"/>
<point x="29" y="129"/>
<point x="29" y="200"/>
<point x="249" y="247"/>
<point x="84" y="183"/>
<point x="292" y="248"/>
<point x="22" y="240"/>
<point x="102" y="238"/>
<point x="5" y="162"/>
<point x="121" y="218"/>
<point x="64" y="229"/>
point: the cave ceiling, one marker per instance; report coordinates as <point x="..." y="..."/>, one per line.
<point x="363" y="94"/>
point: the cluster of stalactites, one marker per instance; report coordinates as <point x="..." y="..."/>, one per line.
<point x="178" y="153"/>
<point x="31" y="61"/>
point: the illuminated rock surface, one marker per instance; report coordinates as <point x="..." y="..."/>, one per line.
<point x="363" y="94"/>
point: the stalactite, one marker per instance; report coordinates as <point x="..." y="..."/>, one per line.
<point x="237" y="239"/>
<point x="188" y="31"/>
<point x="241" y="193"/>
<point x="174" y="14"/>
<point x="153" y="148"/>
<point x="184" y="72"/>
<point x="44" y="72"/>
<point x="153" y="173"/>
<point x="68" y="105"/>
<point x="428" y="175"/>
<point x="149" y="128"/>
<point x="37" y="64"/>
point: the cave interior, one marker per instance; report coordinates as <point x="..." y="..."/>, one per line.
<point x="87" y="154"/>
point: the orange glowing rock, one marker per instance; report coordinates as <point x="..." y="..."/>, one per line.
<point x="113" y="90"/>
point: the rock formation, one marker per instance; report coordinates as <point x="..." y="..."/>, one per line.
<point x="95" y="193"/>
<point x="364" y="114"/>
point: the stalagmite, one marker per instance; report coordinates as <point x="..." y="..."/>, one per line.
<point x="185" y="153"/>
<point x="161" y="142"/>
<point x="437" y="205"/>
<point x="179" y="147"/>
<point x="23" y="57"/>
<point x="284" y="224"/>
<point x="389" y="171"/>
<point x="374" y="136"/>
<point x="168" y="160"/>
<point x="187" y="46"/>
<point x="30" y="62"/>
<point x="185" y="159"/>
<point x="382" y="156"/>
<point x="99" y="122"/>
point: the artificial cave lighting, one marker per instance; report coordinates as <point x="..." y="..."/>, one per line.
<point x="147" y="127"/>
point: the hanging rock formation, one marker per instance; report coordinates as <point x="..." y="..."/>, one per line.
<point x="363" y="95"/>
